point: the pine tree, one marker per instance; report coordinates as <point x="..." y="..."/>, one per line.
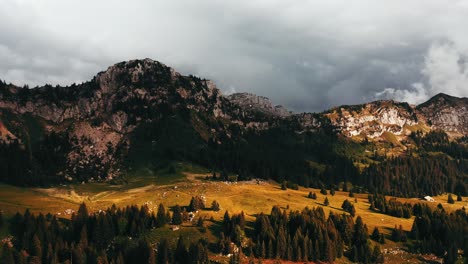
<point x="84" y="237"/>
<point x="196" y="203"/>
<point x="262" y="250"/>
<point x="450" y="199"/>
<point x="375" y="234"/>
<point x="198" y="252"/>
<point x="326" y="202"/>
<point x="227" y="224"/>
<point x="163" y="252"/>
<point x="361" y="250"/>
<point x="177" y="215"/>
<point x="83" y="213"/>
<point x="181" y="252"/>
<point x="36" y="249"/>
<point x="377" y="256"/>
<point x="161" y="216"/>
<point x="459" y="198"/>
<point x="352" y="211"/>
<point x="323" y="191"/>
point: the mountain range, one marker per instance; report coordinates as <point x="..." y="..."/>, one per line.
<point x="143" y="113"/>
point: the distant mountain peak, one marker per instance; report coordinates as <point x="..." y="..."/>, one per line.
<point x="249" y="101"/>
<point x="442" y="98"/>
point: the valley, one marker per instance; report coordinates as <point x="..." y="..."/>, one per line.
<point x="252" y="197"/>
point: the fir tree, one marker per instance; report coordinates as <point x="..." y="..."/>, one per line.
<point x="36" y="249"/>
<point x="177" y="215"/>
<point x="161" y="216"/>
<point x="181" y="252"/>
<point x="163" y="252"/>
<point x="450" y="199"/>
<point x="375" y="234"/>
<point x="323" y="191"/>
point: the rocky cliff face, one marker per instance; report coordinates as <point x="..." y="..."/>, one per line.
<point x="373" y="119"/>
<point x="252" y="102"/>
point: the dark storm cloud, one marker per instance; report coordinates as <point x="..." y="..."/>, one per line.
<point x="306" y="55"/>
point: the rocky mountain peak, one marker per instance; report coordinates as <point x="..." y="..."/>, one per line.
<point x="443" y="100"/>
<point x="447" y="113"/>
<point x="144" y="72"/>
<point x="252" y="102"/>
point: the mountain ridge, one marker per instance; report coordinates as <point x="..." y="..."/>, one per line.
<point x="144" y="106"/>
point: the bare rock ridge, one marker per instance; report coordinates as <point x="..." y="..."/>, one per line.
<point x="372" y="120"/>
<point x="258" y="103"/>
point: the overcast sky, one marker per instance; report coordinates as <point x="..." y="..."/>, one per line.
<point x="306" y="55"/>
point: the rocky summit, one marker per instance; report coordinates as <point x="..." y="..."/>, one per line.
<point x="97" y="129"/>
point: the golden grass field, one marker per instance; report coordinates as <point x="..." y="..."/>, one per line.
<point x="250" y="197"/>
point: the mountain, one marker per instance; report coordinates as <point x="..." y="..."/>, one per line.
<point x="144" y="114"/>
<point x="447" y="113"/>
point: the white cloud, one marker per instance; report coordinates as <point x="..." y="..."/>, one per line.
<point x="415" y="95"/>
<point x="446" y="68"/>
<point x="351" y="50"/>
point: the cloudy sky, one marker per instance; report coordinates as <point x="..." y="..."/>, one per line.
<point x="306" y="55"/>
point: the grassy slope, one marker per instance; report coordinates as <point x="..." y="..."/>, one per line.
<point x="170" y="190"/>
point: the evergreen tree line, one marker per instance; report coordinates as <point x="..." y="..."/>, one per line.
<point x="112" y="236"/>
<point x="34" y="163"/>
<point x="416" y="176"/>
<point x="379" y="203"/>
<point x="438" y="141"/>
<point x="310" y="236"/>
<point x="440" y="232"/>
